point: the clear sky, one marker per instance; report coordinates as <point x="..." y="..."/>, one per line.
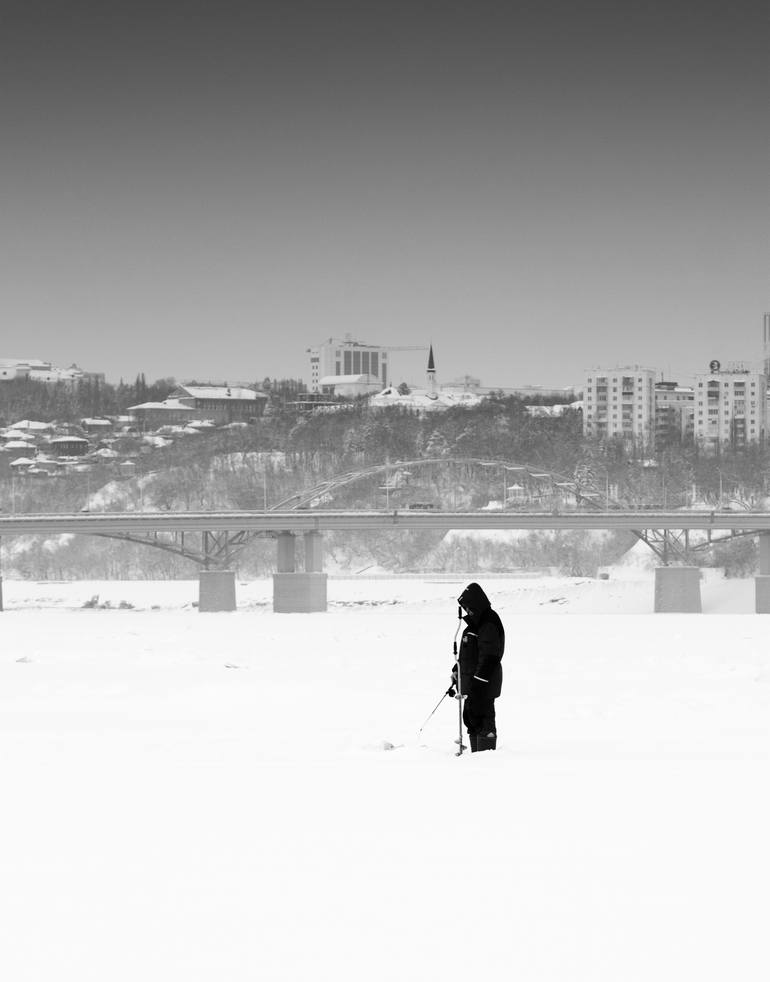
<point x="205" y="189"/>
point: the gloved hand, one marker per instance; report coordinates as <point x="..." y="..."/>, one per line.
<point x="450" y="692"/>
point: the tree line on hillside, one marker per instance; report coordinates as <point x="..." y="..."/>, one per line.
<point x="68" y="402"/>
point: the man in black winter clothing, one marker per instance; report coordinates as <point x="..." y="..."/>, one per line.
<point x="481" y="651"/>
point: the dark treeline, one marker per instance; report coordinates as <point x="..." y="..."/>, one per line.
<point x="67" y="403"/>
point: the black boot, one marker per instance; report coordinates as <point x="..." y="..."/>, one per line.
<point x="486" y="741"/>
<point x="473" y="740"/>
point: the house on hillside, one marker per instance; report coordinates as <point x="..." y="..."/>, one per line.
<point x="96" y="425"/>
<point x="69" y="446"/>
<point x="13" y="368"/>
<point x="16" y="446"/>
<point x="153" y="415"/>
<point x="220" y="403"/>
<point x="32" y="426"/>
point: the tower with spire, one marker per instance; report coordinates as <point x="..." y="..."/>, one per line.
<point x="432" y="393"/>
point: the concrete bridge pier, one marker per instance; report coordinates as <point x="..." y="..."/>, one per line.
<point x="762" y="581"/>
<point x="216" y="590"/>
<point x="299" y="592"/>
<point x="677" y="590"/>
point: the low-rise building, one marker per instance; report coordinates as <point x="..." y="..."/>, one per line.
<point x="32" y="426"/>
<point x="96" y="425"/>
<point x="68" y="446"/>
<point x="13" y="368"/>
<point x="349" y="386"/>
<point x="170" y="412"/>
<point x="220" y="403"/>
<point x="44" y="371"/>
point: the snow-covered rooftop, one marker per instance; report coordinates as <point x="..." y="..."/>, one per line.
<point x="425" y="399"/>
<point x="168" y="405"/>
<point x="31" y="424"/>
<point x="221" y="392"/>
<point x="18" y="445"/>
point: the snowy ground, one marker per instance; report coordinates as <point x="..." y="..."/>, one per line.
<point x="206" y="796"/>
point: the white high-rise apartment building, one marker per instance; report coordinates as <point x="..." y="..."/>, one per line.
<point x="347" y="357"/>
<point x="620" y="402"/>
<point x="730" y="407"/>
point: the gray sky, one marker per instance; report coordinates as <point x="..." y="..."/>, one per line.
<point x="207" y="189"/>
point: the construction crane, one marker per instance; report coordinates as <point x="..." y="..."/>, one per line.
<point x="403" y="347"/>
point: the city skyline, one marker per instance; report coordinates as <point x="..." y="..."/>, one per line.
<point x="210" y="189"/>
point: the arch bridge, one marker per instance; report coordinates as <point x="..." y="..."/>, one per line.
<point x="536" y="499"/>
<point x="522" y="487"/>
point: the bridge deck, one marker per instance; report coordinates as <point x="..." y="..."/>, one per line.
<point x="305" y="521"/>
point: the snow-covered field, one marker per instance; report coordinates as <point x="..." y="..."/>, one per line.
<point x="207" y="796"/>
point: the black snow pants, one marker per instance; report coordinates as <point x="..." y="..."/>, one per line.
<point x="479" y="718"/>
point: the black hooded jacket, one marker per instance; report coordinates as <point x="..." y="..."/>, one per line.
<point x="482" y="645"/>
